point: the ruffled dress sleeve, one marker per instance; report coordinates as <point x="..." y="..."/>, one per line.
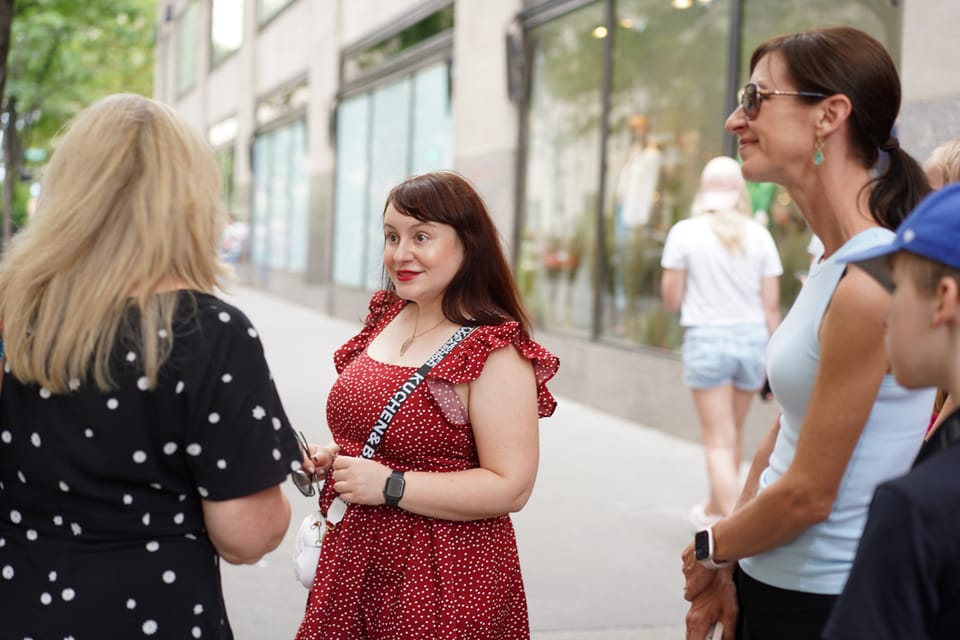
<point x="384" y="307"/>
<point x="466" y="362"/>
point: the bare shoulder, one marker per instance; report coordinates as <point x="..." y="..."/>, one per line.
<point x="858" y="298"/>
<point x="505" y="361"/>
<point x="505" y="368"/>
<point x="854" y="321"/>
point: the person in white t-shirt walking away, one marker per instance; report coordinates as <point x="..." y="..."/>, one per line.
<point x="721" y="270"/>
<point x="235" y="240"/>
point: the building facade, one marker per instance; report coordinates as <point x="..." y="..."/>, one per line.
<point x="584" y="123"/>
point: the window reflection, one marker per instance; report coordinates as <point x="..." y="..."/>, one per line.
<point x="226" y="28"/>
<point x="384" y="135"/>
<point x="280" y="220"/>
<point x="187" y="33"/>
<point x="668" y="66"/>
<point x="350" y="192"/>
<point x="557" y="243"/>
<point x="666" y="121"/>
<point x="266" y="9"/>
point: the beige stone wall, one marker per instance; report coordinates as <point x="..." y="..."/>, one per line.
<point x="930" y="75"/>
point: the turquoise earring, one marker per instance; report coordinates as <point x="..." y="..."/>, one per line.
<point x="818" y="153"/>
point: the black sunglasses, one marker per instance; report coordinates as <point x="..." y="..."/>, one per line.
<point x="751" y="96"/>
<point x="303" y="481"/>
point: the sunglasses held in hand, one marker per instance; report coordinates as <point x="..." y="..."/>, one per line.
<point x="303" y="481"/>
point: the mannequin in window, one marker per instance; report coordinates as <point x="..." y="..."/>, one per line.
<point x="637" y="184"/>
<point x="634" y="203"/>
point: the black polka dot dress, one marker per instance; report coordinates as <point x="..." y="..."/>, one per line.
<point x="385" y="573"/>
<point x="101" y="526"/>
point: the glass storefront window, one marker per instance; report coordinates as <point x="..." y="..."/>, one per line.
<point x="266" y="9"/>
<point x="350" y="191"/>
<point x="280" y="220"/>
<point x="226" y="29"/>
<point x="557" y="238"/>
<point x="390" y="139"/>
<point x="187" y="45"/>
<point x="666" y="121"/>
<point x="360" y="61"/>
<point x="668" y="67"/>
<point x="383" y="136"/>
<point x="432" y="120"/>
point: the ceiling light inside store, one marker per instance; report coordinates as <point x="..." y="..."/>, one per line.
<point x="704" y="1"/>
<point x="682" y="4"/>
<point x="634" y="24"/>
<point x="600" y="33"/>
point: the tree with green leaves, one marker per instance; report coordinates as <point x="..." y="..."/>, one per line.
<point x="63" y="55"/>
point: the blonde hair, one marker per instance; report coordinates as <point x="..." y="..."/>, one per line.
<point x="129" y="206"/>
<point x="722" y="182"/>
<point x="946" y="159"/>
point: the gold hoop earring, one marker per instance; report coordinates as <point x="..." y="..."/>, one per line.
<point x="818" y="151"/>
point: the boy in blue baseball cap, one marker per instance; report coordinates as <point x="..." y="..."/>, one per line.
<point x="905" y="581"/>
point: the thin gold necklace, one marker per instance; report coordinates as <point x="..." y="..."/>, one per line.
<point x="406" y="343"/>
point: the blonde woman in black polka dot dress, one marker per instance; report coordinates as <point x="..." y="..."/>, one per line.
<point x="141" y="436"/>
<point x="440" y="562"/>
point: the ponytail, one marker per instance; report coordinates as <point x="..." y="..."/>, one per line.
<point x="897" y="190"/>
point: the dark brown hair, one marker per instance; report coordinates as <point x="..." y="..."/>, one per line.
<point x="844" y="60"/>
<point x="483" y="290"/>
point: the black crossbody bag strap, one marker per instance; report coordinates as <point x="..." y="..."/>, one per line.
<point x="339" y="507"/>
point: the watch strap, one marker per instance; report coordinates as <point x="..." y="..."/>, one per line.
<point x="394" y="500"/>
<point x="709" y="562"/>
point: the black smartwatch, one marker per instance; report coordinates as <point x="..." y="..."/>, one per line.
<point x="393" y="489"/>
<point x="703" y="549"/>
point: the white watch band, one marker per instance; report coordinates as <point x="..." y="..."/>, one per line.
<point x="709" y="561"/>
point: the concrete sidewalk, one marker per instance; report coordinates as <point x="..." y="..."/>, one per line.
<point x="599" y="540"/>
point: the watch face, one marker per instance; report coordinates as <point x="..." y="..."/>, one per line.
<point x="701" y="545"/>
<point x="394" y="487"/>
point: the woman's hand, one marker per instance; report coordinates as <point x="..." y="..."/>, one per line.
<point x="320" y="459"/>
<point x="716" y="603"/>
<point x="359" y="481"/>
<point x="697" y="576"/>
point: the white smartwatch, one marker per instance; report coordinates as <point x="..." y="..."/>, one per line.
<point x="703" y="549"/>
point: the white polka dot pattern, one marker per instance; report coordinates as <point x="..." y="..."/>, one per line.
<point x="130" y="468"/>
<point x="384" y="572"/>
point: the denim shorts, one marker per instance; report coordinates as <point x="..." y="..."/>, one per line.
<point x="714" y="356"/>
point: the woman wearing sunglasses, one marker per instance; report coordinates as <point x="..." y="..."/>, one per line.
<point x="814" y="118"/>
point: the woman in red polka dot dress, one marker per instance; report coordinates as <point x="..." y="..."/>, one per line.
<point x="437" y="557"/>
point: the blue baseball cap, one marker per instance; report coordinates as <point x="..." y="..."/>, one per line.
<point x="931" y="231"/>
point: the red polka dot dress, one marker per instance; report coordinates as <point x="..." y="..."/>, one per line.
<point x="385" y="573"/>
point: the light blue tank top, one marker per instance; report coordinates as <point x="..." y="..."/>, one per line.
<point x="819" y="560"/>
